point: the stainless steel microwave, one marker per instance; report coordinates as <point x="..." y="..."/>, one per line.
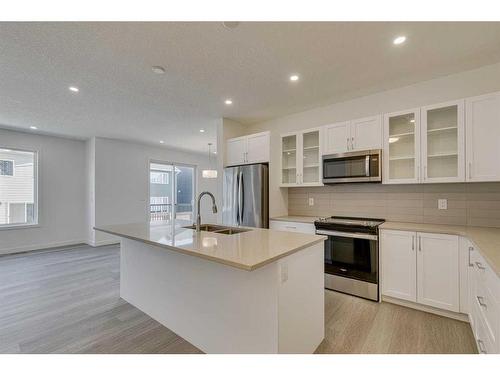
<point x="358" y="166"/>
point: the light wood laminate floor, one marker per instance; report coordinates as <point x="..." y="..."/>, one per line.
<point x="67" y="301"/>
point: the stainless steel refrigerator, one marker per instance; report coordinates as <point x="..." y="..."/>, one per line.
<point x="246" y="196"/>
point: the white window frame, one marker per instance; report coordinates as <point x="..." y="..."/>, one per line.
<point x="36" y="161"/>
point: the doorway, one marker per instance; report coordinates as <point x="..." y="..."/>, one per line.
<point x="171" y="192"/>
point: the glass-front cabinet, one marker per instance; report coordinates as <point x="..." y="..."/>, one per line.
<point x="402" y="147"/>
<point x="301" y="158"/>
<point x="443" y="142"/>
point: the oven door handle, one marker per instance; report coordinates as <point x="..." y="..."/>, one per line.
<point x="335" y="233"/>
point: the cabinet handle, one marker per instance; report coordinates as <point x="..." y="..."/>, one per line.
<point x="470" y="250"/>
<point x="480" y="300"/>
<point x="481" y="346"/>
<point x="290" y="227"/>
<point x="347" y="143"/>
<point x="413" y="243"/>
<point x="480" y="266"/>
<point x="470" y="170"/>
<point x="419" y="243"/>
<point x="352" y="143"/>
<point x="425" y="172"/>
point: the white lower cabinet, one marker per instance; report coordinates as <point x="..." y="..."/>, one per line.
<point x="398" y="265"/>
<point x="484" y="303"/>
<point x="421" y="268"/>
<point x="291" y="226"/>
<point x="438" y="271"/>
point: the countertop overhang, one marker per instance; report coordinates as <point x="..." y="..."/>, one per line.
<point x="248" y="250"/>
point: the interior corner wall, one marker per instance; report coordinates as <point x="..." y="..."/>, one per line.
<point x="61" y="193"/>
<point x="456" y="86"/>
<point x="121" y="182"/>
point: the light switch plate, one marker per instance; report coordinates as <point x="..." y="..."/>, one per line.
<point x="443" y="204"/>
<point x="311" y="201"/>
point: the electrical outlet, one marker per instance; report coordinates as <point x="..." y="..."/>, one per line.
<point x="311" y="201"/>
<point x="443" y="204"/>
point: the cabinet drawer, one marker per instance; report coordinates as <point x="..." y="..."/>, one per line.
<point x="488" y="308"/>
<point x="291" y="226"/>
<point x="484" y="343"/>
<point x="484" y="274"/>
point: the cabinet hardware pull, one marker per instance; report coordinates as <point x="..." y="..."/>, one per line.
<point x="480" y="266"/>
<point x="425" y="172"/>
<point x="352" y="143"/>
<point x="480" y="300"/>
<point x="470" y="170"/>
<point x="347" y="143"/>
<point x="419" y="243"/>
<point x="413" y="243"/>
<point x="481" y="346"/>
<point x="470" y="250"/>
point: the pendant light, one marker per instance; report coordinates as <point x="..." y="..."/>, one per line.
<point x="209" y="173"/>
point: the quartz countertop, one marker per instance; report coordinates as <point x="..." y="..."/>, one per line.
<point x="248" y="250"/>
<point x="297" y="219"/>
<point x="487" y="240"/>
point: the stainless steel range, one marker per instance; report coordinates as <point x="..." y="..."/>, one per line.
<point x="351" y="255"/>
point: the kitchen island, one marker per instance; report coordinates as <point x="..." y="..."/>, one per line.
<point x="258" y="291"/>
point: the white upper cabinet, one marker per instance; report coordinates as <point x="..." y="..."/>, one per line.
<point x="366" y="133"/>
<point x="236" y="151"/>
<point x="483" y="138"/>
<point x="301" y="158"/>
<point x="357" y="135"/>
<point x="258" y="148"/>
<point x="438" y="271"/>
<point x="337" y="138"/>
<point x="249" y="149"/>
<point x="443" y="142"/>
<point x="402" y="147"/>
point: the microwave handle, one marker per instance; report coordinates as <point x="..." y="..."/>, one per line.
<point x="367" y="165"/>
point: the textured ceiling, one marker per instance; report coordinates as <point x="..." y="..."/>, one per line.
<point x="206" y="63"/>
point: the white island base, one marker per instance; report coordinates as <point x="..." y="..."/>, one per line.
<point x="277" y="308"/>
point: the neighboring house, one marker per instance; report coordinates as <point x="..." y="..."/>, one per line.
<point x="16" y="187"/>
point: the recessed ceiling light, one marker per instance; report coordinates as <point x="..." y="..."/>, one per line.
<point x="228" y="101"/>
<point x="73" y="89"/>
<point x="215" y="152"/>
<point x="230" y="25"/>
<point x="294" y="77"/>
<point x="202" y="130"/>
<point x="33" y="127"/>
<point x="162" y="142"/>
<point x="158" y="69"/>
<point x="399" y="40"/>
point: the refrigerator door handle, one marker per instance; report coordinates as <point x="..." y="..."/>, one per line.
<point x="240" y="198"/>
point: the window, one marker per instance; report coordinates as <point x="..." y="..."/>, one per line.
<point x="18" y="187"/>
<point x="6" y="167"/>
<point x="171" y="192"/>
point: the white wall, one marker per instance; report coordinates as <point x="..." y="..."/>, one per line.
<point x="469" y="83"/>
<point x="121" y="182"/>
<point x="61" y="191"/>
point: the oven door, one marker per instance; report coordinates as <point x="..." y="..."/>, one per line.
<point x="351" y="255"/>
<point x="363" y="166"/>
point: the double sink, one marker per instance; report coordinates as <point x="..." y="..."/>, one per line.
<point x="218" y="229"/>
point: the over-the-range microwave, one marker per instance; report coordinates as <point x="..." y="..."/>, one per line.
<point x="358" y="166"/>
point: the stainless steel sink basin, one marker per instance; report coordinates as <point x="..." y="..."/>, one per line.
<point x="219" y="229"/>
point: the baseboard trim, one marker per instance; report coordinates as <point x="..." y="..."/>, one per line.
<point x="51" y="245"/>
<point x="103" y="243"/>
<point x="429" y="309"/>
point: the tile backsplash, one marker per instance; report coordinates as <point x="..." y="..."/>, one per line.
<point x="476" y="204"/>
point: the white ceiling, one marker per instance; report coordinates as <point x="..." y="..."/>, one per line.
<point x="205" y="64"/>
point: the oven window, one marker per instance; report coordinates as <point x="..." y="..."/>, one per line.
<point x="351" y="257"/>
<point x="345" y="167"/>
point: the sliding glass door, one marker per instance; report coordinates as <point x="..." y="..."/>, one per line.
<point x="171" y="193"/>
